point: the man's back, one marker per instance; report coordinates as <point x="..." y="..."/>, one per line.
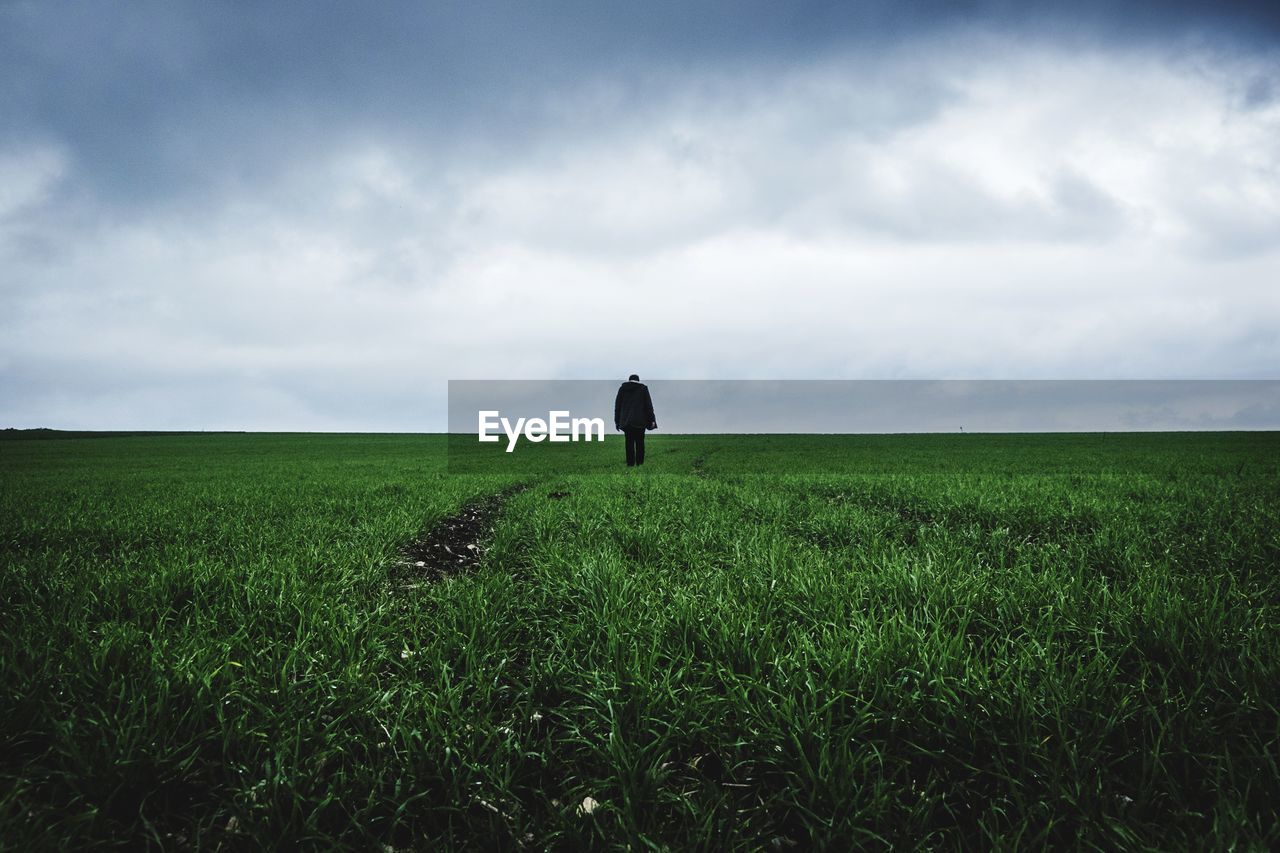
<point x="633" y="406"/>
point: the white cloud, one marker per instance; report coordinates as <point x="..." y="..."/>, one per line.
<point x="955" y="209"/>
<point x="27" y="175"/>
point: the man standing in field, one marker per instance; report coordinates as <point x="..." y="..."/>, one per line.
<point x="633" y="414"/>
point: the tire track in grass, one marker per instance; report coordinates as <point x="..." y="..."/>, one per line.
<point x="454" y="545"/>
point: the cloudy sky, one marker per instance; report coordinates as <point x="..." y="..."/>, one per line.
<point x="311" y="216"/>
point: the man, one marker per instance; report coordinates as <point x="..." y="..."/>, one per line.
<point x="633" y="414"/>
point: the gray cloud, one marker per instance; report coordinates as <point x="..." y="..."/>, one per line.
<point x="162" y="98"/>
<point x="311" y="217"/>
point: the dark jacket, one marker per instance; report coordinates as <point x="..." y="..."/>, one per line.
<point x="633" y="407"/>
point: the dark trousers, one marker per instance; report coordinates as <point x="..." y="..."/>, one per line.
<point x="635" y="445"/>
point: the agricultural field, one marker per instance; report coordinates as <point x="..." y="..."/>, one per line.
<point x="752" y="642"/>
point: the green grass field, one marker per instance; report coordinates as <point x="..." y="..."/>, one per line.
<point x="765" y="642"/>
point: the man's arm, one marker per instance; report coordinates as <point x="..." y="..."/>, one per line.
<point x="648" y="408"/>
<point x="617" y="410"/>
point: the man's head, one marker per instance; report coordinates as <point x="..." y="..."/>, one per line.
<point x="635" y="377"/>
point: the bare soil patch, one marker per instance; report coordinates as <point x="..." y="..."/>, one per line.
<point x="455" y="544"/>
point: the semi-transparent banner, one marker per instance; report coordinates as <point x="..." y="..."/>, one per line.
<point x="497" y="425"/>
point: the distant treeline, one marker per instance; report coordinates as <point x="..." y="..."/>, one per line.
<point x="13" y="434"/>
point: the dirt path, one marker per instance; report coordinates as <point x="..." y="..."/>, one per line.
<point x="455" y="544"/>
